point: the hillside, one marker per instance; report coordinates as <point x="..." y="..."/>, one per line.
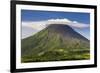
<point x="55" y="43"/>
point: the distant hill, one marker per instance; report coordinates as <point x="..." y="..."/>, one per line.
<point x="55" y="43"/>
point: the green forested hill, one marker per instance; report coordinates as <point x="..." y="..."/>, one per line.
<point x="55" y="43"/>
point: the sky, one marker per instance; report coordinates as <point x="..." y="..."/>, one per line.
<point x="37" y="17"/>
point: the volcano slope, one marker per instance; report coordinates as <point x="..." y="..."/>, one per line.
<point x="57" y="42"/>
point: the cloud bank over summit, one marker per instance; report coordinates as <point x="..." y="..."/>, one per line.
<point x="39" y="25"/>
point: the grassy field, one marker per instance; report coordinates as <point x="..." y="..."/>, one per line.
<point x="57" y="55"/>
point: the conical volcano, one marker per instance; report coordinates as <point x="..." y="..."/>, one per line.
<point x="56" y="42"/>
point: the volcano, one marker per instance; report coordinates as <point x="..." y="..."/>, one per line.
<point x="57" y="42"/>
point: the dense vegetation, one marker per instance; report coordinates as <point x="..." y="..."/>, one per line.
<point x="50" y="45"/>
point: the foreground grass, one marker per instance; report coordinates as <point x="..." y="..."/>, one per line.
<point x="57" y="55"/>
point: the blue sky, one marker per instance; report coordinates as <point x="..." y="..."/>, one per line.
<point x="34" y="15"/>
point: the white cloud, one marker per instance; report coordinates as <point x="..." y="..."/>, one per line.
<point x="59" y="20"/>
<point x="39" y="25"/>
<point x="35" y="25"/>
